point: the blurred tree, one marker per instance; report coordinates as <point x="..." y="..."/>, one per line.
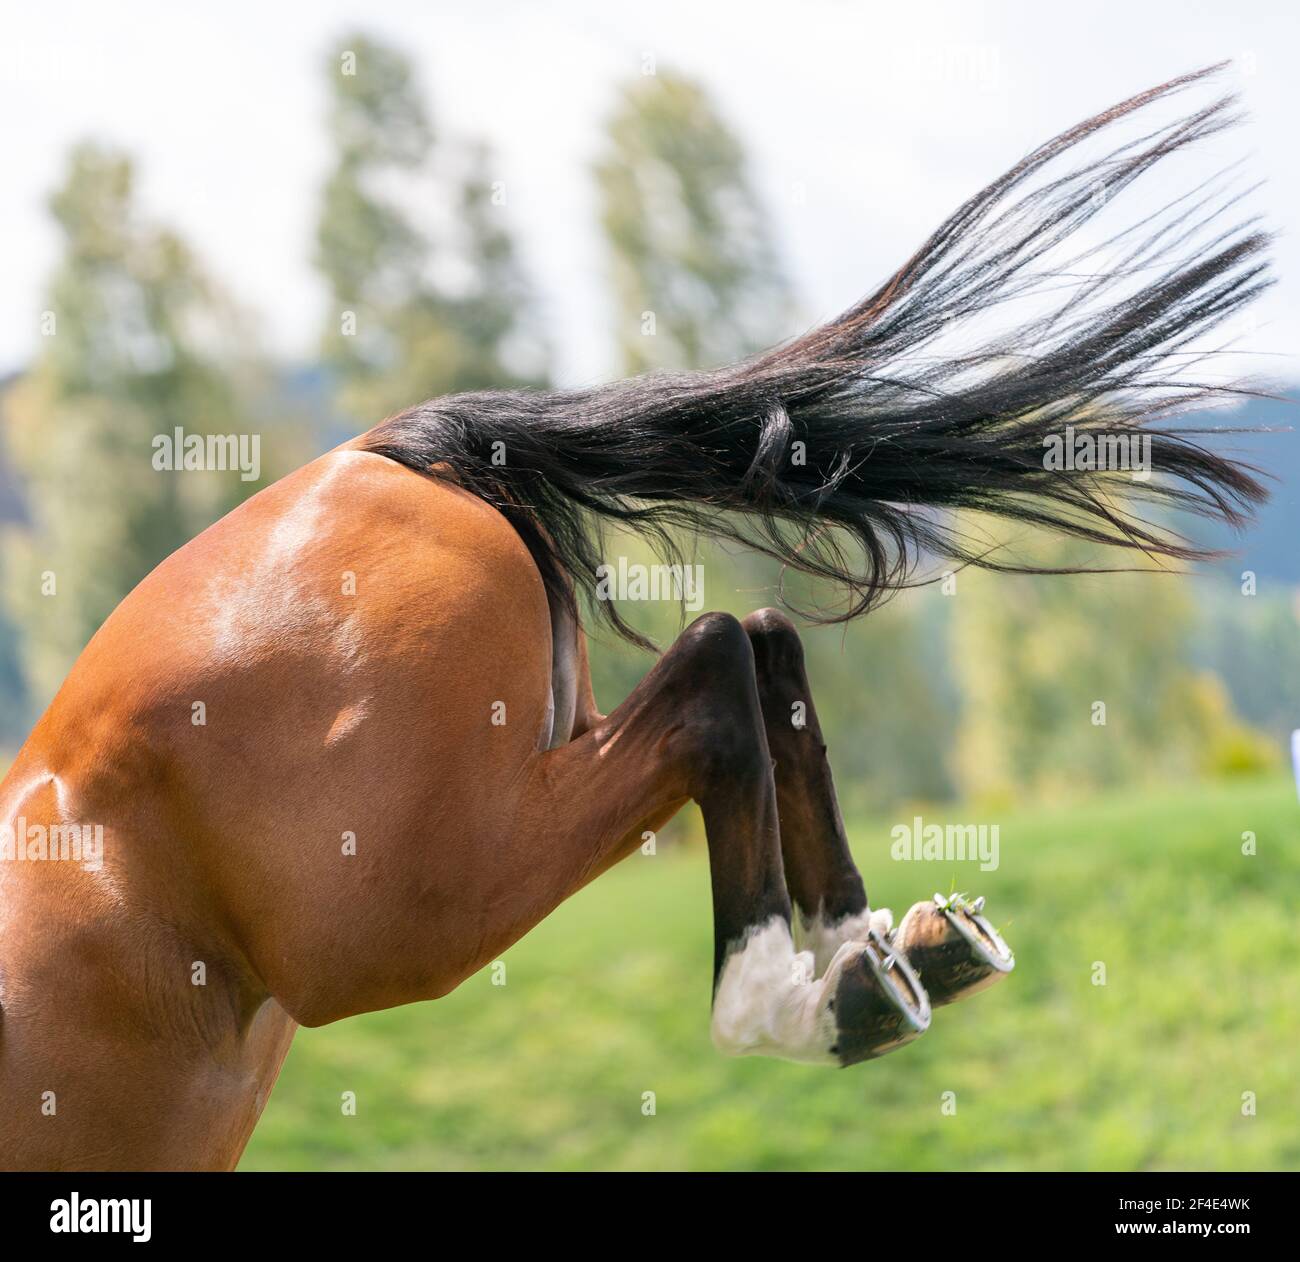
<point x="412" y="317"/>
<point x="136" y="343"/>
<point x="695" y="275"/>
<point x="494" y="310"/>
<point x="882" y="688"/>
<point x="1074" y="683"/>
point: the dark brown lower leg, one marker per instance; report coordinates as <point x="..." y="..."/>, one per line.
<point x="820" y="873"/>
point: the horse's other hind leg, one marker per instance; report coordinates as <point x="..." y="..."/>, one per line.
<point x="693" y="728"/>
<point x="955" y="950"/>
<point x="819" y="870"/>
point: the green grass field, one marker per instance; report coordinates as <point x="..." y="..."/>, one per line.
<point x="608" y="999"/>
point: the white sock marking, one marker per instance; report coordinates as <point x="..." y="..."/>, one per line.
<point x="769" y="1003"/>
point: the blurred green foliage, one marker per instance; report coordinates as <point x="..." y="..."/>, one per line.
<point x="1077" y="682"/>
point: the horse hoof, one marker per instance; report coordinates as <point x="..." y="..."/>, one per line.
<point x="879" y="1005"/>
<point x="953" y="947"/>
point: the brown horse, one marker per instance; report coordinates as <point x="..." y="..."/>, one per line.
<point x="342" y="751"/>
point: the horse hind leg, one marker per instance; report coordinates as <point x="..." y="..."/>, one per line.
<point x="953" y="948"/>
<point x="693" y="728"/>
<point x="824" y="882"/>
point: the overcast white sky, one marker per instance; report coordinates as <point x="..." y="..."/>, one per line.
<point x="867" y="123"/>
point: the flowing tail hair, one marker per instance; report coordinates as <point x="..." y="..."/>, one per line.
<point x="844" y="452"/>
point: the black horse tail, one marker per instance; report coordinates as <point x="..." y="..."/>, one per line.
<point x="842" y="452"/>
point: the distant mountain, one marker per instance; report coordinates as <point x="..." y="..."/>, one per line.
<point x="312" y="390"/>
<point x="1271" y="548"/>
<point x="11" y="504"/>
